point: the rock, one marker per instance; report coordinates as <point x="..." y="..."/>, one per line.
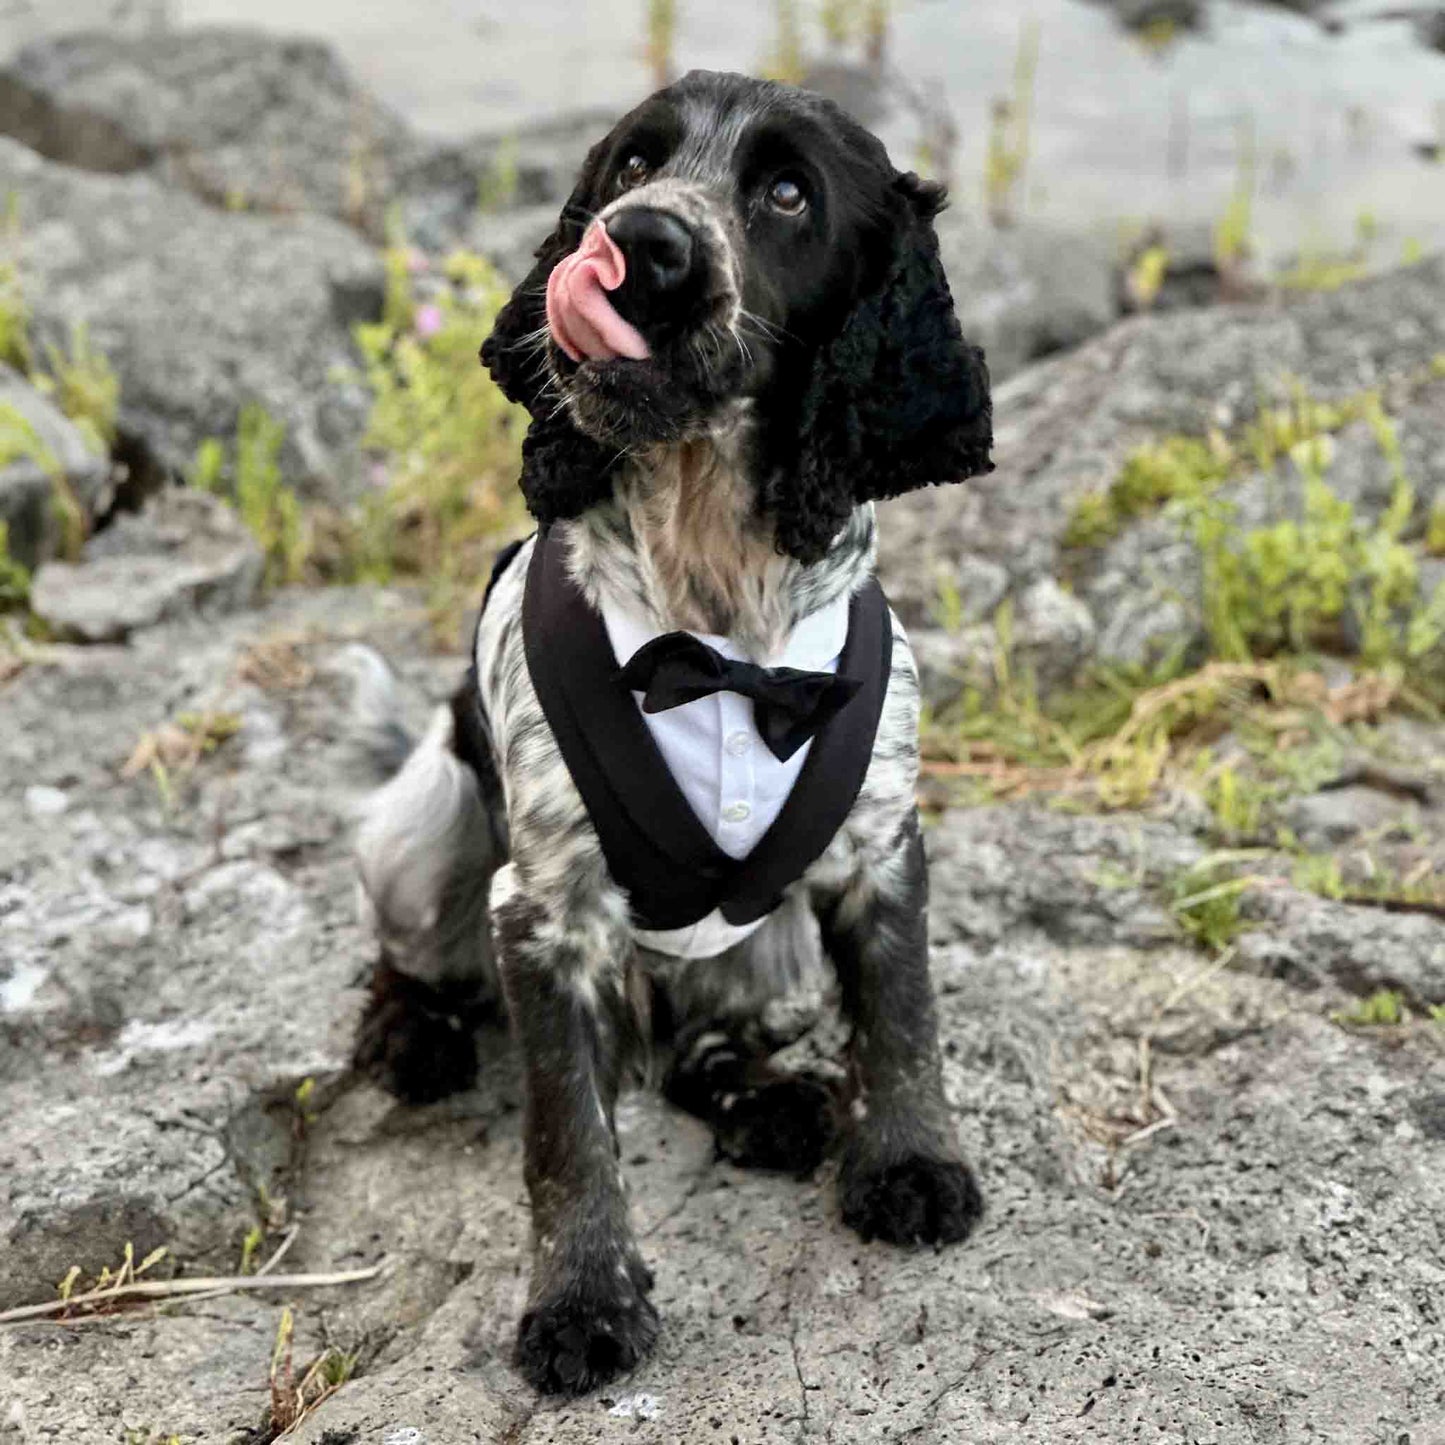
<point x="1315" y="941"/>
<point x="176" y="965"/>
<point x="509" y="238"/>
<point x="538" y="165"/>
<point x="1053" y="631"/>
<point x="242" y="119"/>
<point x="1027" y="291"/>
<point x="948" y="662"/>
<point x="200" y="312"/>
<point x="1065" y="428"/>
<point x="28" y="484"/>
<point x="1325" y="820"/>
<point x="247" y="120"/>
<point x="161" y="942"/>
<point x="186" y="554"/>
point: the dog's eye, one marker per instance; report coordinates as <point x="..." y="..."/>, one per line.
<point x="634" y="171"/>
<point x="787" y="196"/>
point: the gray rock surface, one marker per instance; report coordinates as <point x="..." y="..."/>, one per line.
<point x="200" y="312"/>
<point x="242" y="119"/>
<point x="1199" y="1259"/>
<point x="1027" y="291"/>
<point x="1065" y="428"/>
<point x="248" y="120"/>
<point x="509" y="238"/>
<point x="54" y="447"/>
<point x="184" y="554"/>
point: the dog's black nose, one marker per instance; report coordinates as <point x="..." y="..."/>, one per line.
<point x="658" y="246"/>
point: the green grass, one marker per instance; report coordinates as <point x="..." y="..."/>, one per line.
<point x="1010" y="138"/>
<point x="445" y="442"/>
<point x="79" y="380"/>
<point x="1238" y="801"/>
<point x="14" y="320"/>
<point x="1435" y="529"/>
<point x="1286" y="588"/>
<point x="442" y="443"/>
<point x="85" y="388"/>
<point x="1233" y="233"/>
<point x="14" y="577"/>
<point x="1205" y="902"/>
<point x="661" y="40"/>
<point x="248" y="475"/>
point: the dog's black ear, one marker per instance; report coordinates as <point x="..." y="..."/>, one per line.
<point x="897" y="400"/>
<point x="564" y="471"/>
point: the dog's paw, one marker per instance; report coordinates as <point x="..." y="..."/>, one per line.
<point x="412" y="1044"/>
<point x="786" y="1124"/>
<point x="573" y="1344"/>
<point x="919" y="1200"/>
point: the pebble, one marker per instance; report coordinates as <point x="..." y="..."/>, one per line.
<point x="44" y="802"/>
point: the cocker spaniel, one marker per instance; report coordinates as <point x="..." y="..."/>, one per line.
<point x="681" y="770"/>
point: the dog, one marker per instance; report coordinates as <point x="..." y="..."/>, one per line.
<point x="738" y="338"/>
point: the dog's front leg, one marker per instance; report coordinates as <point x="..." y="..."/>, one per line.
<point x="563" y="961"/>
<point x="902" y="1178"/>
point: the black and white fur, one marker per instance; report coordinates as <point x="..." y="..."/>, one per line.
<point x="810" y="364"/>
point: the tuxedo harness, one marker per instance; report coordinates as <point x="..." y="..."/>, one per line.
<point x="696" y="882"/>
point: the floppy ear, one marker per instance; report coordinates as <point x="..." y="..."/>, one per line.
<point x="563" y="471"/>
<point x="897" y="400"/>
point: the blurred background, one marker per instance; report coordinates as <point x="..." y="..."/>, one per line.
<point x="1182" y="657"/>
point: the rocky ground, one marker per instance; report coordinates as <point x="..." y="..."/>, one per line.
<point x="1216" y="1191"/>
<point x="1243" y="1243"/>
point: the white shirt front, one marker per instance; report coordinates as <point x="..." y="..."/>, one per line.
<point x="719" y="760"/>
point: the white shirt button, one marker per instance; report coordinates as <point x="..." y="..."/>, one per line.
<point x="738" y="743"/>
<point x="737" y="812"/>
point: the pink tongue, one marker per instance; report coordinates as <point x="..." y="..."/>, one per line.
<point x="581" y="317"/>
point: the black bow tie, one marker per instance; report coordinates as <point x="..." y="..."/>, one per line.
<point x="789" y="706"/>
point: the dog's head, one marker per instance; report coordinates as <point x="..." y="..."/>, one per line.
<point x="737" y="239"/>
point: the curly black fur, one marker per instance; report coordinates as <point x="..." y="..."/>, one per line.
<point x="417" y="1042"/>
<point x="898" y="400"/>
<point x="891" y="400"/>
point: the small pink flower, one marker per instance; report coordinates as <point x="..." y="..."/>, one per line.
<point x="428" y="321"/>
<point x="380" y="477"/>
<point x="416" y="261"/>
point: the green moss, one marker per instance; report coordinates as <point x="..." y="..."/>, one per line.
<point x="1383" y="1009"/>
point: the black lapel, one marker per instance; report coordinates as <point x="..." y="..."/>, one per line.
<point x="833" y="773"/>
<point x="655" y="846"/>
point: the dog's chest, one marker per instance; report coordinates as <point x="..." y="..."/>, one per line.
<point x="704" y="816"/>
